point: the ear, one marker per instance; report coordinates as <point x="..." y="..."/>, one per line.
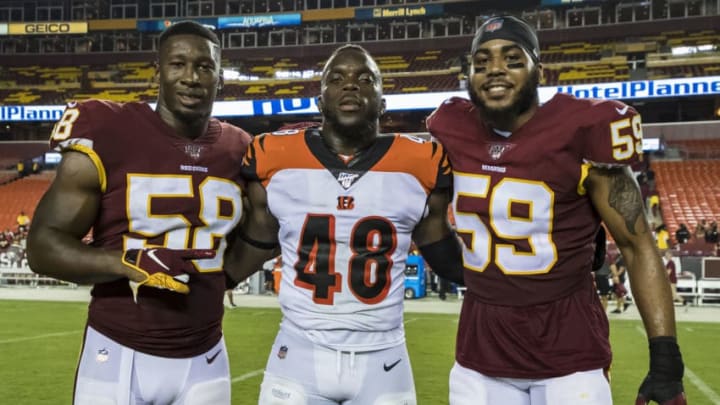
<point x="320" y="104"/>
<point x="156" y="75"/>
<point x="221" y="81"/>
<point x="541" y="74"/>
<point x="383" y="106"/>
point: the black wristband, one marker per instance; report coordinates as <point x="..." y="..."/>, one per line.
<point x="256" y="243"/>
<point x="445" y="258"/>
<point x="665" y="359"/>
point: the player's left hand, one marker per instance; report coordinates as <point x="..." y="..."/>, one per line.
<point x="663" y="383"/>
<point x="163" y="268"/>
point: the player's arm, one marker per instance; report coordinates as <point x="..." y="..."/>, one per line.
<point x="616" y="196"/>
<point x="62" y="218"/>
<point x="65" y="215"/>
<point x="255" y="240"/>
<point x="438" y="244"/>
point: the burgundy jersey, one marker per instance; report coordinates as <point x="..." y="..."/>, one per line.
<point x="158" y="189"/>
<point x="529" y="227"/>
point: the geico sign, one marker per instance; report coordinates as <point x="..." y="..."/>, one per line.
<point x="51" y="27"/>
<point x="48" y="28"/>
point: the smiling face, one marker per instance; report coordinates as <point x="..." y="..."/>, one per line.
<point x="503" y="79"/>
<point x="351" y="90"/>
<point x="189" y="76"/>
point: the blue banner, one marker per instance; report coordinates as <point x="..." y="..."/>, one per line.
<point x="160" y="25"/>
<point x="269" y="20"/>
<point x="640" y="89"/>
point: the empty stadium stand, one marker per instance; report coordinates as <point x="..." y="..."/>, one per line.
<point x="689" y="192"/>
<point x="22" y="195"/>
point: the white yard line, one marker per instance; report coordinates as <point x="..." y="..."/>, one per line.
<point x="247" y="375"/>
<point x="700" y="384"/>
<point x="47" y="335"/>
<point x="695" y="380"/>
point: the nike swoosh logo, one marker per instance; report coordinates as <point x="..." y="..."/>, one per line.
<point x="390" y="367"/>
<point x="621" y="111"/>
<point x="213" y="357"/>
<point x="151" y="254"/>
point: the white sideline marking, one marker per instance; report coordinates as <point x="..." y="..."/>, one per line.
<point x="700" y="384"/>
<point x="690" y="329"/>
<point x="411" y="320"/>
<point x="47" y="335"/>
<point x="247" y="375"/>
<point x="695" y="380"/>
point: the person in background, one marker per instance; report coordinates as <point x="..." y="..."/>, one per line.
<point x="328" y="197"/>
<point x="160" y="190"/>
<point x="23" y="222"/>
<point x="231" y="297"/>
<point x="532" y="183"/>
<point x="662" y="238"/>
<point x="682" y="235"/>
<point x="700" y="229"/>
<point x="618" y="274"/>
<point x="672" y="275"/>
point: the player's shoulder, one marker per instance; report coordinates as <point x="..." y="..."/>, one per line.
<point x="280" y="143"/>
<point x="452" y="105"/>
<point x="280" y="137"/>
<point x="103" y="107"/>
<point x="235" y="131"/>
<point x="597" y="111"/>
<point x="415" y="145"/>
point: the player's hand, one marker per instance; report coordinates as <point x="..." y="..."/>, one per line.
<point x="663" y="383"/>
<point x="163" y="268"/>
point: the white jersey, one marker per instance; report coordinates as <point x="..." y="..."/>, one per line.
<point x="345" y="230"/>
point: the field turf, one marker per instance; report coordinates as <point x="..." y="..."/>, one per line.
<point x="40" y="342"/>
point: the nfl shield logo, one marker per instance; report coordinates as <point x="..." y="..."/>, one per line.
<point x="282" y="352"/>
<point x="496" y="150"/>
<point x="494" y="26"/>
<point x="193" y="151"/>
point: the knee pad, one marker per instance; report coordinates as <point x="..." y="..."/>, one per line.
<point x="396" y="398"/>
<point x="280" y="391"/>
<point x="209" y="392"/>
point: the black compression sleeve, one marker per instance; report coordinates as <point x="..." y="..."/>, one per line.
<point x="445" y="258"/>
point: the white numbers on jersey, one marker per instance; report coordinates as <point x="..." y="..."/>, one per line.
<point x="142" y="189"/>
<point x="626" y="137"/>
<point x="63" y="128"/>
<point x="535" y="229"/>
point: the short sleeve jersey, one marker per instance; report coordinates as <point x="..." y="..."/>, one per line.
<point x="520" y="203"/>
<point x="529" y="227"/>
<point x="158" y="189"/>
<point x="345" y="229"/>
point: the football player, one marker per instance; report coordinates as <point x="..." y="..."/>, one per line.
<point x="329" y="197"/>
<point x="531" y="185"/>
<point x="160" y="190"/>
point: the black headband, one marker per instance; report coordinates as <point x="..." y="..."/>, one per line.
<point x="510" y="28"/>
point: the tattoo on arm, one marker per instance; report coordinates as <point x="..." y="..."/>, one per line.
<point x="624" y="197"/>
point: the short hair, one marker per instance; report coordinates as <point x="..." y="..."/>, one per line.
<point x="188" y="27"/>
<point x="349" y="47"/>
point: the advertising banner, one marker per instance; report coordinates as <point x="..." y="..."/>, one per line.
<point x="268" y="20"/>
<point x="43" y="28"/>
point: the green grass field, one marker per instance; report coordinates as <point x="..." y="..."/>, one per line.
<point x="40" y="342"/>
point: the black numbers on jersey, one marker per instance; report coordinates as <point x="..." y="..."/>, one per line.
<point x="316" y="254"/>
<point x="372" y="243"/>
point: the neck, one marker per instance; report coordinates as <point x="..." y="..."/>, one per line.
<point x="508" y="120"/>
<point x="187" y="127"/>
<point x="348" y="140"/>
